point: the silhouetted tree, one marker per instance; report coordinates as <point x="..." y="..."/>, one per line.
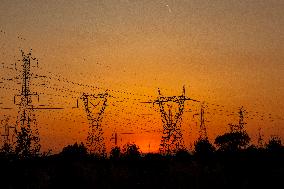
<point x="183" y="154"/>
<point x="274" y="145"/>
<point x="153" y="156"/>
<point x="7" y="151"/>
<point x="233" y="141"/>
<point x="115" y="153"/>
<point x="74" y="151"/>
<point x="253" y="149"/>
<point x="254" y="152"/>
<point x="27" y="144"/>
<point x="131" y="151"/>
<point x="46" y="154"/>
<point x="203" y="148"/>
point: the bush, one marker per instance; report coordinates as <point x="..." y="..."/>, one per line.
<point x="131" y="151"/>
<point x="183" y="154"/>
<point x="7" y="151"/>
<point x="274" y="145"/>
<point x="115" y="153"/>
<point x="233" y="141"/>
<point x="153" y="157"/>
<point x="74" y="151"/>
<point x="203" y="148"/>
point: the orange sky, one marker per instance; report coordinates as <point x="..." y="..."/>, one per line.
<point x="228" y="53"/>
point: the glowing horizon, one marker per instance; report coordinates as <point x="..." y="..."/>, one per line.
<point x="228" y="54"/>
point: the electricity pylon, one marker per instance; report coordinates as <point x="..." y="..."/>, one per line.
<point x="114" y="138"/>
<point x="260" y="139"/>
<point x="94" y="107"/>
<point x="172" y="138"/>
<point x="27" y="134"/>
<point x="202" y="129"/>
<point x="7" y="147"/>
<point x="239" y="127"/>
<point x="6" y="135"/>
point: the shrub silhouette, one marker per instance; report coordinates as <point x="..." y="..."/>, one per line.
<point x="274" y="145"/>
<point x="203" y="148"/>
<point x="131" y="151"/>
<point x="27" y="145"/>
<point x="183" y="154"/>
<point x="153" y="156"/>
<point x="115" y="153"/>
<point x="74" y="151"/>
<point x="233" y="141"/>
<point x="7" y="151"/>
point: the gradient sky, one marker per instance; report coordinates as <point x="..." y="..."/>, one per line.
<point x="227" y="53"/>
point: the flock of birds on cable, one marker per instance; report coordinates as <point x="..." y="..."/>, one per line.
<point x="123" y="114"/>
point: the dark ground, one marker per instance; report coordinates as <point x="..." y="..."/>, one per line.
<point x="220" y="171"/>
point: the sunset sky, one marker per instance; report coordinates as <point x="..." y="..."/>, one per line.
<point x="227" y="53"/>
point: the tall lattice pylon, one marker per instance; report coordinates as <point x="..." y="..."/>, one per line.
<point x="27" y="135"/>
<point x="239" y="127"/>
<point x="7" y="148"/>
<point x="7" y="137"/>
<point x="260" y="139"/>
<point x="172" y="138"/>
<point x="202" y="131"/>
<point x="94" y="107"/>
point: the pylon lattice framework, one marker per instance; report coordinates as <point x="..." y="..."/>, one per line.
<point x="6" y="136"/>
<point x="95" y="111"/>
<point x="172" y="139"/>
<point x="26" y="126"/>
<point x="240" y="126"/>
<point x="202" y="131"/>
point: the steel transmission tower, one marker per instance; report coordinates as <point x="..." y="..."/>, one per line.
<point x="241" y="118"/>
<point x="240" y="126"/>
<point x="172" y="139"/>
<point x="202" y="131"/>
<point x="260" y="139"/>
<point x="94" y="107"/>
<point x="114" y="138"/>
<point x="6" y="136"/>
<point x="27" y="134"/>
